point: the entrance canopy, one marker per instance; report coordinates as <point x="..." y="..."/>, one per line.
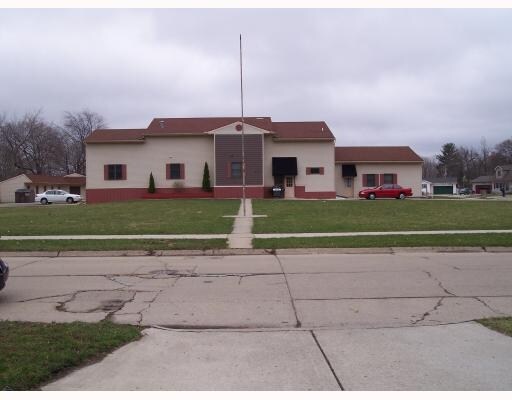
<point x="348" y="170"/>
<point x="284" y="166"/>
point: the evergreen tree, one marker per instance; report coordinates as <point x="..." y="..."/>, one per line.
<point x="449" y="161"/>
<point x="206" y="178"/>
<point x="151" y="188"/>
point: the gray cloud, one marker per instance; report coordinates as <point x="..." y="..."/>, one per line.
<point x="383" y="77"/>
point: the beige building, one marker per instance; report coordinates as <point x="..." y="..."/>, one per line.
<point x="296" y="155"/>
<point x="301" y="157"/>
<point x="73" y="183"/>
<point x="358" y="168"/>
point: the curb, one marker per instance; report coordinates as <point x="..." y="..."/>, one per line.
<point x="252" y="252"/>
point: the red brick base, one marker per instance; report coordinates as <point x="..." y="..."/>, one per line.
<point x="252" y="192"/>
<point x="300" y="193"/>
<point x="219" y="192"/>
<point x="107" y="195"/>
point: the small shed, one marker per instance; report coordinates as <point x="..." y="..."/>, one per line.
<point x="24" y="196"/>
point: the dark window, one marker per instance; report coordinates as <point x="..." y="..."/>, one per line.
<point x="236" y="169"/>
<point x="175" y="171"/>
<point x="388" y="178"/>
<point x="115" y="172"/>
<point x="315" y="171"/>
<point x="370" y="180"/>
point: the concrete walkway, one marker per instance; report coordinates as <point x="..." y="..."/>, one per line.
<point x="384" y="233"/>
<point x="241" y="237"/>
<point x="242" y="233"/>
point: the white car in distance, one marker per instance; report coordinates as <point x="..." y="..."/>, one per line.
<point x="57" y="196"/>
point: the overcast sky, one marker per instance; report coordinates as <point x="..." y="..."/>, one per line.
<point x="377" y="77"/>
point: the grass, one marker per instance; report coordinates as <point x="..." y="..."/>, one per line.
<point x="111" y="244"/>
<point x="479" y="240"/>
<point x="34" y="353"/>
<point x="380" y="215"/>
<point x="502" y="324"/>
<point x="130" y="217"/>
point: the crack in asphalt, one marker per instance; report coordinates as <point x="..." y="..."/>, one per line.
<point x="488" y="306"/>
<point x="429" y="274"/>
<point x="298" y="322"/>
<point x="428" y="312"/>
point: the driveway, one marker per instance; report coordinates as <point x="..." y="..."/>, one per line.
<point x="320" y="321"/>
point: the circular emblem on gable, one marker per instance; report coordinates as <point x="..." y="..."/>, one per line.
<point x="238" y="127"/>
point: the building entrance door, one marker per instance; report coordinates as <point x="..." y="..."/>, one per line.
<point x="289" y="190"/>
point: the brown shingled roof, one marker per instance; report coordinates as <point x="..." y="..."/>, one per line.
<point x="376" y="154"/>
<point x="202" y="125"/>
<point x="56" y="180"/>
<point x="302" y="130"/>
<point x="178" y="126"/>
<point x="115" y="135"/>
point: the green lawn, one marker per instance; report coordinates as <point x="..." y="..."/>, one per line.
<point x="380" y="215"/>
<point x="503" y="324"/>
<point x="111" y="244"/>
<point x="477" y="240"/>
<point x="130" y="217"/>
<point x="33" y="353"/>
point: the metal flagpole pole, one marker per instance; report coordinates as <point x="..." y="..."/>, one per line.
<point x="243" y="127"/>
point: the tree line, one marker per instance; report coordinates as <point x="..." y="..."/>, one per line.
<point x="467" y="163"/>
<point x="31" y="144"/>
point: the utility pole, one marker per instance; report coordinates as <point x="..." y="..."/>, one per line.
<point x="243" y="127"/>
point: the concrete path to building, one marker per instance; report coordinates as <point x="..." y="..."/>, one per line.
<point x="317" y="321"/>
<point x="241" y="237"/>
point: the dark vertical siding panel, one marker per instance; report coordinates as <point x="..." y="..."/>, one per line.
<point x="228" y="149"/>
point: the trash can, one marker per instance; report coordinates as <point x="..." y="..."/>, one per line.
<point x="278" y="191"/>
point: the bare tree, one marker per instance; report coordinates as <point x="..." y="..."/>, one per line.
<point x="32" y="145"/>
<point x="77" y="126"/>
<point x="429" y="167"/>
<point x="504" y="151"/>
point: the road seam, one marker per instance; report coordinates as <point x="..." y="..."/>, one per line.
<point x="327" y="360"/>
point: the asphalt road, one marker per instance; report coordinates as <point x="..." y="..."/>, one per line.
<point x="320" y="321"/>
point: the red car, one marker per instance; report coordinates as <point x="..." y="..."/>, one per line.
<point x="386" y="191"/>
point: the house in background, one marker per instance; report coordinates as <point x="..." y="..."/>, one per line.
<point x="73" y="183"/>
<point x="502" y="178"/>
<point x="358" y="168"/>
<point x="298" y="155"/>
<point x="439" y="186"/>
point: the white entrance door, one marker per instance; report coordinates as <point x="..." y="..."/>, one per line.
<point x="289" y="190"/>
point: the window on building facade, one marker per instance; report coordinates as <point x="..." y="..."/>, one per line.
<point x="236" y="169"/>
<point x="315" y="171"/>
<point x="388" y="178"/>
<point x="115" y="172"/>
<point x="348" y="181"/>
<point x="371" y="180"/>
<point x="175" y="171"/>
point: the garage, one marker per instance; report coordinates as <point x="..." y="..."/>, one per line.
<point x="481" y="188"/>
<point x="443" y="189"/>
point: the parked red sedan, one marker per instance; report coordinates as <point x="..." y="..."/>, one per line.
<point x="386" y="191"/>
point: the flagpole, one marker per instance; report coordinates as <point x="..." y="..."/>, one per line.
<point x="243" y="127"/>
